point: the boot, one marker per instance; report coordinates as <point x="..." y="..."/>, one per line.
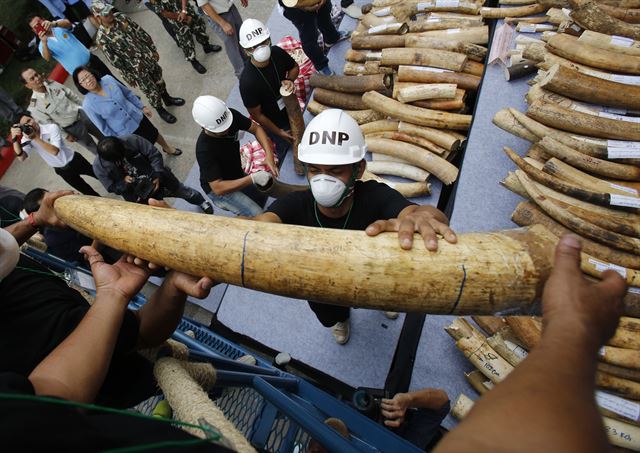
<point x="168" y="117"/>
<point x="168" y="100"/>
<point x="197" y="66"/>
<point x="211" y="48"/>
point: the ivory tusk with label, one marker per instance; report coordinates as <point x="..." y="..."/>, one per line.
<point x="416" y="115"/>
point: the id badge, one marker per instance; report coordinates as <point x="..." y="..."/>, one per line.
<point x="281" y="103"/>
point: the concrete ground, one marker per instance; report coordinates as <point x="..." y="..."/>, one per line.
<point x="182" y="80"/>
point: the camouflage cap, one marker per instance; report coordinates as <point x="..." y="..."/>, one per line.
<point x="101" y="8"/>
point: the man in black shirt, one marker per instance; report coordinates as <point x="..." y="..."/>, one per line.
<point x="333" y="150"/>
<point x="218" y="155"/>
<point x="69" y="349"/>
<point x="132" y="167"/>
<point x="260" y="82"/>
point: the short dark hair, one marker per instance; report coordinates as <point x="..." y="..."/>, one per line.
<point x="30" y="17"/>
<point x="77" y="71"/>
<point x="32" y="200"/>
<point x="21" y="78"/>
<point x="111" y="149"/>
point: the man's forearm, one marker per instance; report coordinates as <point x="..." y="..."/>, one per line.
<point x="21" y="231"/>
<point x="160" y="316"/>
<point x="222" y="187"/>
<point x="20" y="154"/>
<point x="264" y="141"/>
<point x="76" y="368"/>
<point x="266" y="123"/>
<point x="554" y="384"/>
<point x="48" y="147"/>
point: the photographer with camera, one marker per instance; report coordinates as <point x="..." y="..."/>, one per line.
<point x="132" y="167"/>
<point x="47" y="141"/>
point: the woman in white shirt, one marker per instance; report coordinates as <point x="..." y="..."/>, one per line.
<point x="47" y="141"/>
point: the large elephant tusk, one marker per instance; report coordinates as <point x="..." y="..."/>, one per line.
<point x="571" y="48"/>
<point x="420" y="74"/>
<point x="348" y="84"/>
<point x="420" y="157"/>
<point x="568" y="82"/>
<point x="481" y="274"/>
<point x="416" y="115"/>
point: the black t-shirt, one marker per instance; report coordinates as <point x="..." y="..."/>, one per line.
<point x="219" y="157"/>
<point x="372" y="201"/>
<point x="261" y="86"/>
<point x="38" y="310"/>
<point x="38" y="426"/>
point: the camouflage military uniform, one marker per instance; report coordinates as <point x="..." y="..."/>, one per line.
<point x="184" y="33"/>
<point x="130" y="49"/>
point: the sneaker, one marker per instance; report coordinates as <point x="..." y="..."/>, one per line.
<point x="207" y="207"/>
<point x="391" y="314"/>
<point x="247" y="359"/>
<point x="326" y="71"/>
<point x="353" y="11"/>
<point x="341" y="332"/>
<point x="342" y="35"/>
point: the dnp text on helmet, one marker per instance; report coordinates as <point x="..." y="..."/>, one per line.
<point x="328" y="137"/>
<point x="254" y="34"/>
<point x="222" y="118"/>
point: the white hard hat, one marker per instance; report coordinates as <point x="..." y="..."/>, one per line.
<point x="253" y="32"/>
<point x="212" y="114"/>
<point x="332" y="138"/>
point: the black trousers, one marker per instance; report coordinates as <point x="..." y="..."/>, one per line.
<point x="308" y="25"/>
<point x="72" y="171"/>
<point x="329" y="315"/>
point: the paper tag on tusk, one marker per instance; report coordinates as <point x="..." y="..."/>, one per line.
<point x="634" y="290"/>
<point x="382" y="27"/>
<point x="520" y="352"/>
<point x="526" y="28"/>
<point x="382" y="12"/>
<point x="623" y="200"/>
<point x="630" y="190"/>
<point x="430" y="69"/>
<point x="614" y="116"/>
<point x="447" y="3"/>
<point x="627" y="80"/>
<point x="621" y="149"/>
<point x="617" y="405"/>
<point x="601" y="266"/>
<point x="602" y="351"/>
<point x="621" y="41"/>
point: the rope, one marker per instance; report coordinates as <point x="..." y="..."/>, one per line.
<point x="190" y="403"/>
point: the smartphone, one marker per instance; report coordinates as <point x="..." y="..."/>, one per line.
<point x="38" y="28"/>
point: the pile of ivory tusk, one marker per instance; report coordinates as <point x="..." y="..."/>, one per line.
<point x="506" y="343"/>
<point x="411" y="66"/>
<point x="582" y="172"/>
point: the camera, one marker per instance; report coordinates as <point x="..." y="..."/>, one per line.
<point x="26" y="129"/>
<point x="143" y="188"/>
<point x="367" y="400"/>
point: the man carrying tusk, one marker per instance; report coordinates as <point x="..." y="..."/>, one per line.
<point x="333" y="150"/>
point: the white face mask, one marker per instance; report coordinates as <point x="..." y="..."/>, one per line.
<point x="327" y="190"/>
<point x="262" y="54"/>
<point x="9" y="253"/>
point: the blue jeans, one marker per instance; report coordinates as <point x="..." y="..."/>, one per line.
<point x="236" y="202"/>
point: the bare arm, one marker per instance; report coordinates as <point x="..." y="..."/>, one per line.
<point x="76" y="368"/>
<point x="547" y="403"/>
<point x="17" y="146"/>
<point x="256" y="112"/>
<point x="221" y="186"/>
<point x="264" y="141"/>
<point x="45" y="216"/>
<point x="46" y="54"/>
<point x="209" y="11"/>
<point x="267" y="217"/>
